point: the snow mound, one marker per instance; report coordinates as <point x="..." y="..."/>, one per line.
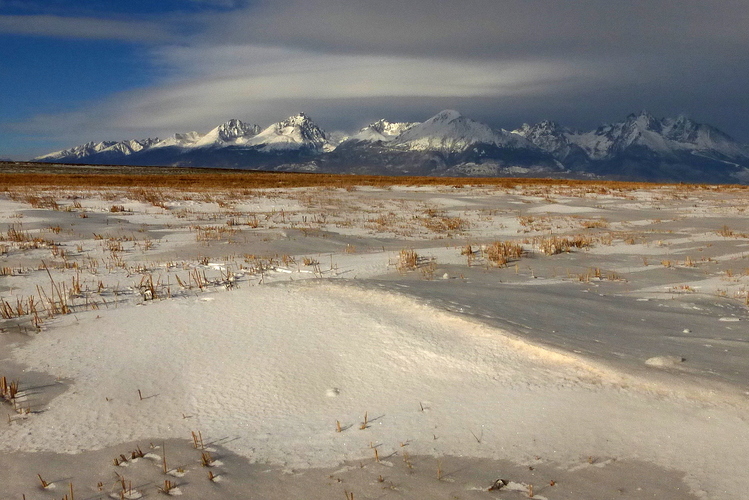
<point x="664" y="361"/>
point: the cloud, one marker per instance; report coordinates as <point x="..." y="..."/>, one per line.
<point x="480" y="28"/>
<point x="688" y="56"/>
<point x="343" y="62"/>
<point x="84" y="28"/>
<point x="210" y="84"/>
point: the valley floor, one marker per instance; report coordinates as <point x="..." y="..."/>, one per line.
<point x="555" y="340"/>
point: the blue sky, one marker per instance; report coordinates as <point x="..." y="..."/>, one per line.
<point x="75" y="71"/>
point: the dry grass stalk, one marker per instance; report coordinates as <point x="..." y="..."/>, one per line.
<point x="467" y="250"/>
<point x="206" y="460"/>
<point x="167" y="487"/>
<point x="147" y="288"/>
<point x="62" y="304"/>
<point x="364" y="424"/>
<point x="45" y="484"/>
<point x="197" y="440"/>
<point x="8" y="390"/>
<point x="338" y="426"/>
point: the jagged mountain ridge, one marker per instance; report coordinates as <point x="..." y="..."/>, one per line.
<point x="640" y="147"/>
<point x="381" y="131"/>
<point x="450" y="132"/>
<point x="645" y="148"/>
<point x="89" y="149"/>
<point x="666" y="136"/>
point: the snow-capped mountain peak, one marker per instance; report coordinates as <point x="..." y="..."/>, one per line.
<point x="449" y="131"/>
<point x="295" y="132"/>
<point x="549" y="136"/>
<point x="233" y="131"/>
<point x="382" y="130"/>
<point x="638" y="133"/>
<point x="640" y="146"/>
<point x="123" y="148"/>
<point x="182" y="140"/>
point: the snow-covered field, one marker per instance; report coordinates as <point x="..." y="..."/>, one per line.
<point x="369" y="342"/>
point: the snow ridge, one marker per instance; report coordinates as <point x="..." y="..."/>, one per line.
<point x="449" y="131"/>
<point x="382" y="131"/>
<point x="296" y="132"/>
<point x="640" y="147"/>
<point x="666" y="137"/>
<point x="232" y="132"/>
<point x="126" y="147"/>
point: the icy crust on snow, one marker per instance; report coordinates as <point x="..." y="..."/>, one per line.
<point x="273" y="367"/>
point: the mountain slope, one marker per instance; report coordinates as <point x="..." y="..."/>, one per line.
<point x="645" y="148"/>
<point x="449" y="131"/>
<point x="296" y="132"/>
<point x="640" y="147"/>
<point x="232" y="132"/>
<point x="112" y="149"/>
<point x="382" y="131"/>
<point x="446" y="144"/>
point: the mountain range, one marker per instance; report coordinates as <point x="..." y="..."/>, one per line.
<point x="641" y="147"/>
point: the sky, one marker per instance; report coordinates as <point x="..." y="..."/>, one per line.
<point x="75" y="71"/>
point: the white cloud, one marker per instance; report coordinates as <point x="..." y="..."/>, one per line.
<point x="212" y="84"/>
<point x="591" y="59"/>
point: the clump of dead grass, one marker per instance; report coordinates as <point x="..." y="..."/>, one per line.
<point x="408" y="260"/>
<point x="499" y="253"/>
<point x="553" y="245"/>
<point x="595" y="223"/>
<point x="438" y="222"/>
<point x="8" y="390"/>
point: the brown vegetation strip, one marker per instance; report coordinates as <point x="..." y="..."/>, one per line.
<point x="196" y="179"/>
